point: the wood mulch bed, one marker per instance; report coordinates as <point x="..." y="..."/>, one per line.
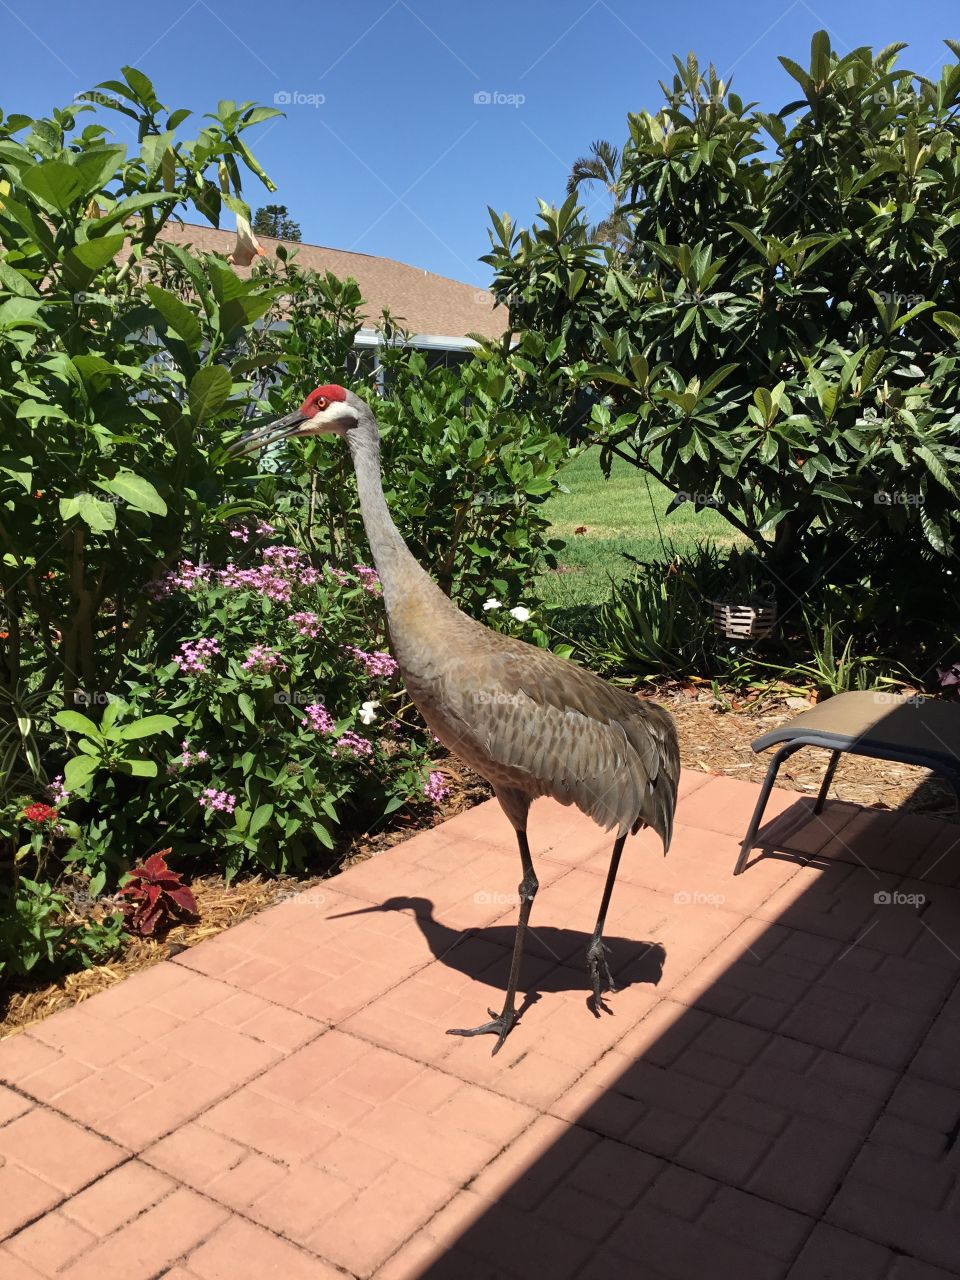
<point x="715" y="736"/>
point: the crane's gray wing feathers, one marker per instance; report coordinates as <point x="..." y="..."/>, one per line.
<point x="574" y="737"/>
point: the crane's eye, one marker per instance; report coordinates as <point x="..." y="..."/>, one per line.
<point x="321" y="404"/>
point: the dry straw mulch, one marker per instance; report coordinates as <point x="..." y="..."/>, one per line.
<point x="715" y="736"/>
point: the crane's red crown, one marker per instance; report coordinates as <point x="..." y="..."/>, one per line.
<point x="320" y="397"/>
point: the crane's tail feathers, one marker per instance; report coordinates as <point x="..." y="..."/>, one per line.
<point x="662" y="803"/>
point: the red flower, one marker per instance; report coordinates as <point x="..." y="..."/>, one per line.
<point x="40" y="813"/>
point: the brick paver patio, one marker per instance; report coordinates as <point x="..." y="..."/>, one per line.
<point x="774" y="1095"/>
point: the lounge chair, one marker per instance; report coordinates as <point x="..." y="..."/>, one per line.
<point x="869" y="723"/>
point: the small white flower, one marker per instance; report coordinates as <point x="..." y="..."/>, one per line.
<point x="367" y="712"/>
<point x="520" y="613"/>
<point x="492" y="603"/>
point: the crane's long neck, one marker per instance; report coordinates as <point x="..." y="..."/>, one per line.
<point x="401" y="575"/>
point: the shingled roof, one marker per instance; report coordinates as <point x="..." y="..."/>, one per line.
<point x="423" y="302"/>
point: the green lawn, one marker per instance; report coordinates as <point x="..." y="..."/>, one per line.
<point x="624" y="513"/>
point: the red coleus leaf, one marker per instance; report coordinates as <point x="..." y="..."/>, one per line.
<point x="147" y="920"/>
<point x="156" y="897"/>
<point x="184" y="899"/>
<point x="155" y="867"/>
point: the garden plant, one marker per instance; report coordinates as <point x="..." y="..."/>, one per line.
<point x="192" y="654"/>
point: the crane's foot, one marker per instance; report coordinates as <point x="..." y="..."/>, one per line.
<point x="500" y="1025"/>
<point x="596" y="966"/>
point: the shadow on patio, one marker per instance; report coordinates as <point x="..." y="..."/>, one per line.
<point x="790" y="1108"/>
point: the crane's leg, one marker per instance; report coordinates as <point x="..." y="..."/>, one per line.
<point x="501" y="1023"/>
<point x="597" y="952"/>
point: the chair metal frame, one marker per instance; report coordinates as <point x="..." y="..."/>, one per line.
<point x="838" y="744"/>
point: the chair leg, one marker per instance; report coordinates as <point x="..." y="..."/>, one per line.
<point x="827" y="780"/>
<point x="748" y="841"/>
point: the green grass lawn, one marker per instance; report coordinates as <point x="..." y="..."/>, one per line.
<point x="623" y="514"/>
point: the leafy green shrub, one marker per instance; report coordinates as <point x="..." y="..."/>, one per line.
<point x="126" y="361"/>
<point x="780" y="334"/>
<point x="277" y="676"/>
<point x="40" y="935"/>
<point x="659" y="621"/>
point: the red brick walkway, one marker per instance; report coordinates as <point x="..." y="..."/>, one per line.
<point x="775" y="1093"/>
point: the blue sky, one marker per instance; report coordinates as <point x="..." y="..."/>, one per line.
<point x="398" y="159"/>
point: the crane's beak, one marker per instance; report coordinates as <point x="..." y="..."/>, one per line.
<point x="360" y="911"/>
<point x="260" y="437"/>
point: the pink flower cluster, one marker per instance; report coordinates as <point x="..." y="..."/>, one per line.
<point x="214" y="800"/>
<point x="318" y="718"/>
<point x="57" y="791"/>
<point x="354" y="745"/>
<point x="262" y="530"/>
<point x="262" y="659"/>
<point x="281" y="571"/>
<point x="307" y="624"/>
<point x="377" y="665"/>
<point x="435" y="788"/>
<point x="368" y="579"/>
<point x="188" y="758"/>
<point x="193" y="655"/>
<point x="186" y="577"/>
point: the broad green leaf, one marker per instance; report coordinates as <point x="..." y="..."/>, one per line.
<point x="78" y="771"/>
<point x="138" y="768"/>
<point x="97" y="165"/>
<point x="135" y="490"/>
<point x="237" y="313"/>
<point x="948" y="320"/>
<point x="75" y="722"/>
<point x="142" y="86"/>
<point x="19" y="469"/>
<point x="83" y="261"/>
<point x="179" y="317"/>
<point x="605" y="374"/>
<point x="935" y="467"/>
<point x="13" y="281"/>
<point x="751" y="237"/>
<point x="99" y="516"/>
<point x="261" y="816"/>
<point x="797" y="72"/>
<point x="147" y="727"/>
<point x="54" y="183"/>
<point x="820" y="57"/>
<point x="110" y="713"/>
<point x="16" y="312"/>
<point x="133" y="204"/>
<point x="209" y="390"/>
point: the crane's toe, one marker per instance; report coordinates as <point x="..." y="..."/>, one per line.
<point x="598" y="969"/>
<point x="500" y="1025"/>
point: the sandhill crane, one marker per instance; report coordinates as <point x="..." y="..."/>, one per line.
<point x="528" y="721"/>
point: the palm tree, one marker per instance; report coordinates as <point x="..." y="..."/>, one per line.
<point x="602" y="166"/>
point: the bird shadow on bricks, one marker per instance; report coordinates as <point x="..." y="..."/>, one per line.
<point x="554" y="959"/>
